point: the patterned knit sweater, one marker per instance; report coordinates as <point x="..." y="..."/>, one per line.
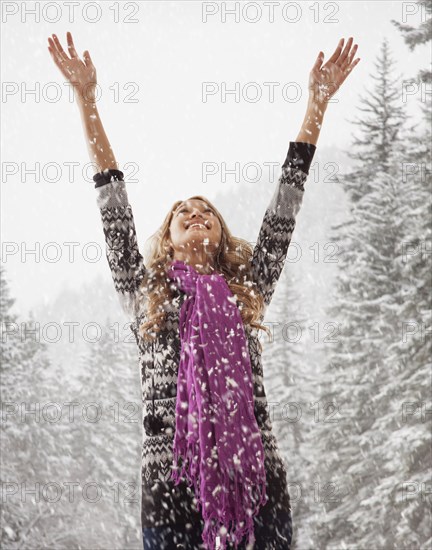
<point x="162" y="502"/>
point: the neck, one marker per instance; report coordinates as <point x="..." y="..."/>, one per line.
<point x="203" y="265"/>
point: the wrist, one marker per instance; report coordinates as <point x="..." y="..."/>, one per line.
<point x="86" y="95"/>
<point x="85" y="103"/>
<point x="317" y="106"/>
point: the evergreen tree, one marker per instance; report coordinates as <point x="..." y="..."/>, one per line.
<point x="289" y="387"/>
<point x="407" y="449"/>
<point x="110" y="387"/>
<point x="41" y="451"/>
<point x="381" y="121"/>
<point x="415" y="36"/>
<point x="417" y="174"/>
<point x="11" y="346"/>
<point x="370" y="302"/>
<point x="6" y="301"/>
<point x="25" y="437"/>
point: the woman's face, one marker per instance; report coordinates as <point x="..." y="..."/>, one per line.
<point x="195" y="228"/>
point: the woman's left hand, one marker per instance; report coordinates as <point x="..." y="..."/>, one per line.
<point x="325" y="80"/>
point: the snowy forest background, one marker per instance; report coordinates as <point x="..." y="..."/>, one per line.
<point x="348" y="370"/>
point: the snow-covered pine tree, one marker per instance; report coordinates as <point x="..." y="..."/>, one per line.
<point x="111" y="382"/>
<point x="417" y="177"/>
<point x="415" y="36"/>
<point x="28" y="447"/>
<point x="368" y="304"/>
<point x="290" y="389"/>
<point x="378" y="140"/>
<point x="407" y="449"/>
<point x="13" y="346"/>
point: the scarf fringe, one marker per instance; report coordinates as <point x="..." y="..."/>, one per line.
<point x="234" y="503"/>
<point x="190" y="463"/>
<point x="237" y="522"/>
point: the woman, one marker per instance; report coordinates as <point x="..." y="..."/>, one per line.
<point x="211" y="468"/>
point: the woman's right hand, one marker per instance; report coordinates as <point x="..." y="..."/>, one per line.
<point x="81" y="74"/>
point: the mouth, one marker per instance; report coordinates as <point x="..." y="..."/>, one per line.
<point x="197" y="226"/>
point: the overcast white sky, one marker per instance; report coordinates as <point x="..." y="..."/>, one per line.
<point x="166" y="55"/>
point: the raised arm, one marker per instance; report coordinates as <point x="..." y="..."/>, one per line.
<point x="124" y="259"/>
<point x="82" y="76"/>
<point x="279" y="220"/>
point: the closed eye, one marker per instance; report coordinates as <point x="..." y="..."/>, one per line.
<point x="186" y="210"/>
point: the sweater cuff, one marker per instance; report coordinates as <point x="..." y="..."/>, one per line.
<point x="107" y="176"/>
<point x="300" y="155"/>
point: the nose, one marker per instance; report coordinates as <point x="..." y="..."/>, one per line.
<point x="196" y="212"/>
<point x="197" y="216"/>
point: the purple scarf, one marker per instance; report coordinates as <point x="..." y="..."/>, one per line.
<point x="217" y="438"/>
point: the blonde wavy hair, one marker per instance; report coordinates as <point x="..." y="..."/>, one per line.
<point x="232" y="259"/>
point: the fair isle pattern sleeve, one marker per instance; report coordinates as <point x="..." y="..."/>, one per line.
<point x="124" y="258"/>
<point x="279" y="221"/>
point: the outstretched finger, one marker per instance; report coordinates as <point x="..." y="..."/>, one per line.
<point x="348" y="70"/>
<point x="59" y="48"/>
<point x="71" y="45"/>
<point x="87" y="59"/>
<point x="337" y="52"/>
<point x="59" y="61"/>
<point x="318" y="62"/>
<point x="351" y="67"/>
<point x="347" y="48"/>
<point x="349" y="59"/>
